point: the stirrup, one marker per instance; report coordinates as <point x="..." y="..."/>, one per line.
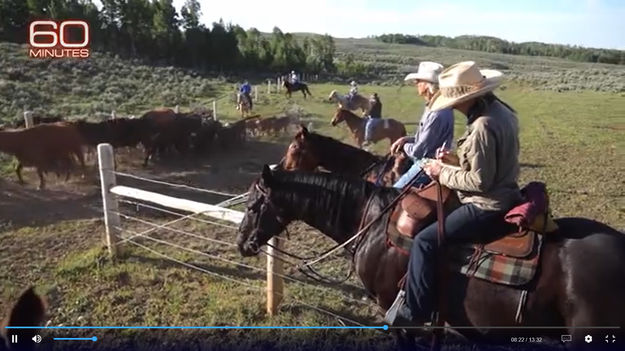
<point x="399" y="314"/>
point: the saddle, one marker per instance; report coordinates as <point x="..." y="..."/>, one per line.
<point x="418" y="210"/>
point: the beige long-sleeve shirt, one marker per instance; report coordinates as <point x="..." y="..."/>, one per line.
<point x="489" y="160"/>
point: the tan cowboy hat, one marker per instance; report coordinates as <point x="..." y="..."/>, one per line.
<point x="427" y="71"/>
<point x="463" y="81"/>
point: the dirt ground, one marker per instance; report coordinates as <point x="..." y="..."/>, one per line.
<point x="229" y="171"/>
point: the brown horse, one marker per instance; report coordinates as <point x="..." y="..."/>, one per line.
<point x="243" y="105"/>
<point x="303" y="87"/>
<point x="389" y="128"/>
<point x="580" y="282"/>
<point x="28" y="311"/>
<point x="357" y="102"/>
<point x="308" y="151"/>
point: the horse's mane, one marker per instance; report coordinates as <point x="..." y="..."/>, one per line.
<point x="339" y="194"/>
<point x="350" y="113"/>
<point x="339" y="155"/>
<point x="328" y="199"/>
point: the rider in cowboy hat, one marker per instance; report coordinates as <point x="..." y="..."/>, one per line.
<point x="375" y="116"/>
<point x="486" y="183"/>
<point x="353" y="90"/>
<point x="246" y="91"/>
<point x="436" y="128"/>
<point x="294" y="78"/>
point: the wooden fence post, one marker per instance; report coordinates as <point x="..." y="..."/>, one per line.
<point x="256" y="93"/>
<point x="177" y="109"/>
<point x="268" y="86"/>
<point x="275" y="283"/>
<point x="28" y="119"/>
<point x="278" y="84"/>
<point x="214" y="110"/>
<point x="110" y="206"/>
<point x="113" y="114"/>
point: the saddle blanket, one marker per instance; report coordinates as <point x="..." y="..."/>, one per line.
<point x="497" y="268"/>
<point x="484" y="264"/>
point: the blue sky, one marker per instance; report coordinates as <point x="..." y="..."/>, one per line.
<point x="590" y="23"/>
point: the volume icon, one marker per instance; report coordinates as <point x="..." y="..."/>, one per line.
<point x="37" y="338"/>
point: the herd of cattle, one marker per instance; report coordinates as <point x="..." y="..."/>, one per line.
<point x="54" y="145"/>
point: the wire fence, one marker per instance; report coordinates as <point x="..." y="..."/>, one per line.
<point x="175" y="235"/>
<point x="155" y="227"/>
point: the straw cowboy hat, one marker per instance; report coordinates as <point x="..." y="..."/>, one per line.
<point x="427" y="71"/>
<point x="464" y="81"/>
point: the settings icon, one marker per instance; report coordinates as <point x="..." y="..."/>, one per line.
<point x="588" y="339"/>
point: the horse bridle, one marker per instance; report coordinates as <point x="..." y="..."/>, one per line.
<point x="305" y="269"/>
<point x="258" y="206"/>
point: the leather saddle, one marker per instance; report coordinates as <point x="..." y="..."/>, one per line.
<point x="418" y="210"/>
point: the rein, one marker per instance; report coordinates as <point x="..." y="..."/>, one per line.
<point x="369" y="224"/>
<point x="387" y="158"/>
<point x="307" y="264"/>
<point x="439" y="321"/>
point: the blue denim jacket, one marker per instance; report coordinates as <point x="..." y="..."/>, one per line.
<point x="435" y="129"/>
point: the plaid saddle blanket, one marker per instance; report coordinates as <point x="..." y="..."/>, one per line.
<point x="482" y="263"/>
<point x="497" y="268"/>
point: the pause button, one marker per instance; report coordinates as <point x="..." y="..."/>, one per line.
<point x="13" y="339"/>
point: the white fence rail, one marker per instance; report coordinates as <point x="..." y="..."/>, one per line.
<point x="111" y="192"/>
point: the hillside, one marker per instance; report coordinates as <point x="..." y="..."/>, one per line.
<point x="392" y="61"/>
<point x="105" y="82"/>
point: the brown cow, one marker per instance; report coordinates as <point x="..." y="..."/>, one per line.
<point x="169" y="129"/>
<point x="264" y="126"/>
<point x="281" y="124"/>
<point x="47" y="147"/>
<point x="28" y="311"/>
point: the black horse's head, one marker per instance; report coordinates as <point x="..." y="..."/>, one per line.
<point x="263" y="219"/>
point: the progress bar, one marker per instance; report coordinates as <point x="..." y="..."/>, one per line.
<point x="93" y="338"/>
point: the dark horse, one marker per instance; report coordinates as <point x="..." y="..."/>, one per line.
<point x="29" y="310"/>
<point x="581" y="280"/>
<point x="303" y="87"/>
<point x="310" y="150"/>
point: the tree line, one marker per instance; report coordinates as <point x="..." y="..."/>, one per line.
<point x="496" y="45"/>
<point x="156" y="32"/>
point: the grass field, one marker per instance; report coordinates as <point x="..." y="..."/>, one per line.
<point x="571" y="140"/>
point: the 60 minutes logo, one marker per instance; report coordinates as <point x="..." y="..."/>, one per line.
<point x="57" y="46"/>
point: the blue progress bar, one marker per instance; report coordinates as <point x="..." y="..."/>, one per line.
<point x="383" y="327"/>
<point x="94" y="338"/>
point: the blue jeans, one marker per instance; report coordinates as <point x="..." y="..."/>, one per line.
<point x="467" y="224"/>
<point x="406" y="177"/>
<point x="370" y="127"/>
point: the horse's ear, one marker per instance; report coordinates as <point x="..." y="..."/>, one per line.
<point x="303" y="130"/>
<point x="266" y="175"/>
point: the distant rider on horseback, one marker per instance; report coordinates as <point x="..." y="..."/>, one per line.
<point x="436" y="128"/>
<point x="375" y="116"/>
<point x="486" y="183"/>
<point x="294" y="79"/>
<point x="353" y="91"/>
<point x="246" y="91"/>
